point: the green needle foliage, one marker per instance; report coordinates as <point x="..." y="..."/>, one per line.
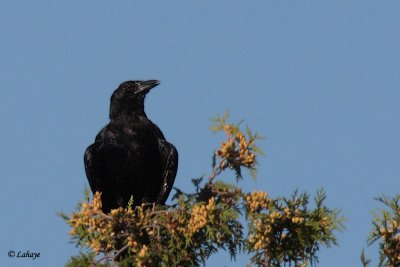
<point x="279" y="231"/>
<point x="386" y="231"/>
<point x="285" y="231"/>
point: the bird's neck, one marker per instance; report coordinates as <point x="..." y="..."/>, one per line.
<point x="126" y="108"/>
<point x="128" y="115"/>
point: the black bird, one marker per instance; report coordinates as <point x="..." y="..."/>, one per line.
<point x="130" y="156"/>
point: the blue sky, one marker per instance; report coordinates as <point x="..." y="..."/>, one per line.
<point x="319" y="79"/>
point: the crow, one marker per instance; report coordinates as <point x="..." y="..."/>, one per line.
<point x="130" y="156"/>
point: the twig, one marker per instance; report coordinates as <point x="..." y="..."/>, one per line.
<point x="217" y="170"/>
<point x="107" y="256"/>
<point x="120" y="252"/>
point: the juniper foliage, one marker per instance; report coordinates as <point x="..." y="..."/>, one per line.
<point x="279" y="231"/>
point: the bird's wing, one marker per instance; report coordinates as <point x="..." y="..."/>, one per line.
<point x="93" y="167"/>
<point x="156" y="131"/>
<point x="169" y="156"/>
<point x="103" y="163"/>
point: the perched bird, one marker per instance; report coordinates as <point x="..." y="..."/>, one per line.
<point x="130" y="156"/>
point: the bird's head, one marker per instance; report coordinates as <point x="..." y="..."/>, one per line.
<point x="129" y="97"/>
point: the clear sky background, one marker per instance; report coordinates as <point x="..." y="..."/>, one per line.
<point x="319" y="79"/>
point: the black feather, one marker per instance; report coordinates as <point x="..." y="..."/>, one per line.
<point x="130" y="156"/>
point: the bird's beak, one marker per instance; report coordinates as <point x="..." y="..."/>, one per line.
<point x="145" y="86"/>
